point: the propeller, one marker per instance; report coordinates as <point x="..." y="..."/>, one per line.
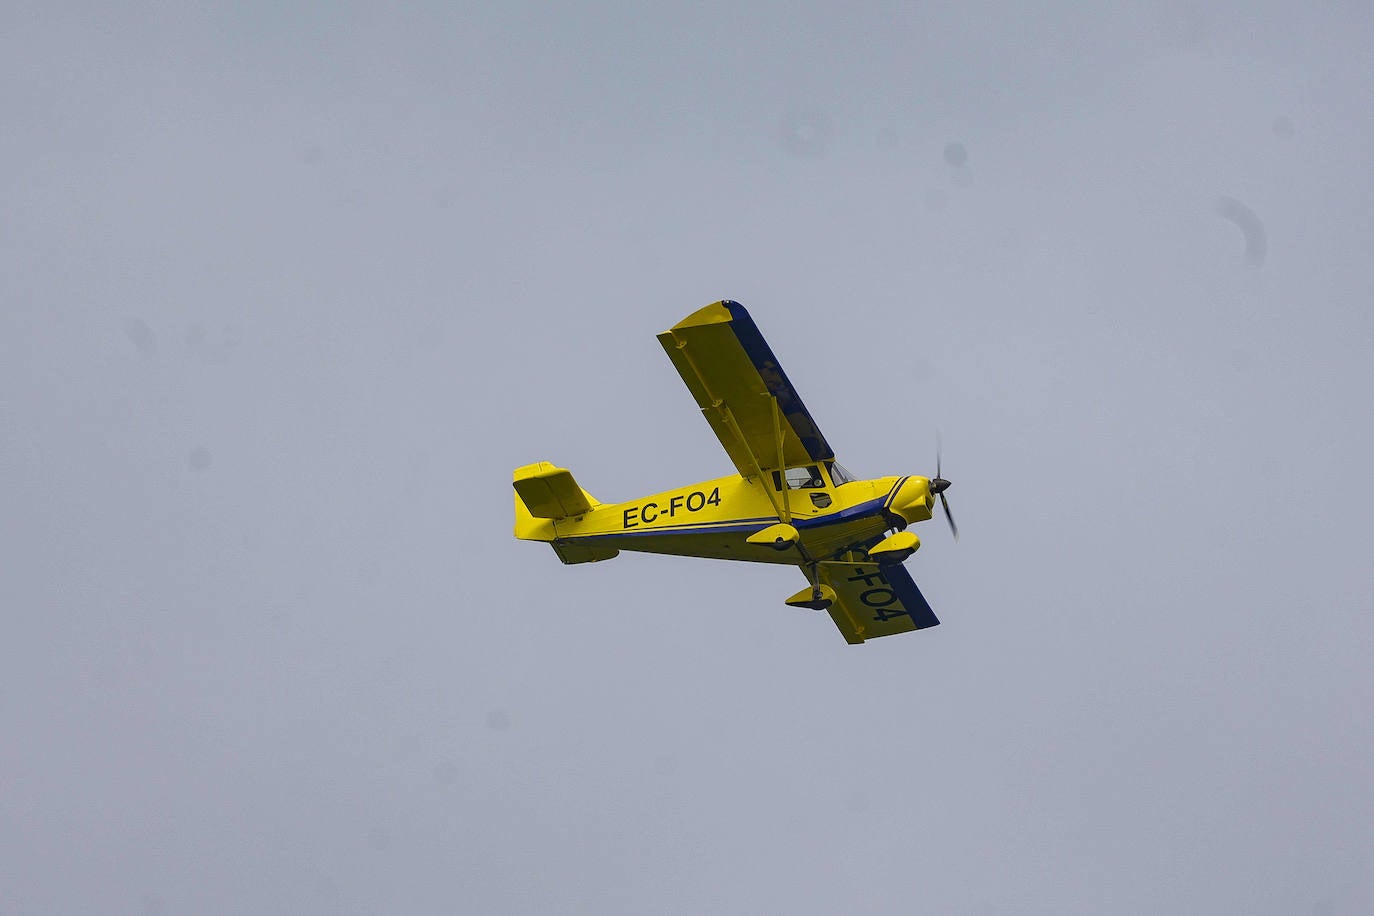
<point x="938" y="486"/>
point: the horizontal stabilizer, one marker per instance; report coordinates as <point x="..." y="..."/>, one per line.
<point x="551" y="492"/>
<point x="571" y="552"/>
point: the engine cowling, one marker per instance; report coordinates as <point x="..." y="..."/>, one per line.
<point x="913" y="502"/>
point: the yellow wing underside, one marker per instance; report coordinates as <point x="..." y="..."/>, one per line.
<point x="744" y="394"/>
<point x="872" y="600"/>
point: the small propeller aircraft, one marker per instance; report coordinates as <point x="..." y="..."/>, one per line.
<point x="790" y="502"/>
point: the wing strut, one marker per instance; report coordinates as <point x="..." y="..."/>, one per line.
<point x="780" y="506"/>
<point x="777" y="431"/>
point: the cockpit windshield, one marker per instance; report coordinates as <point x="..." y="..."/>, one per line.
<point x="839" y="475"/>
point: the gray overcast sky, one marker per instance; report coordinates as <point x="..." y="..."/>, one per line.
<point x="287" y="290"/>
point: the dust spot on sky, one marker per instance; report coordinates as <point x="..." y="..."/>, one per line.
<point x="805" y="133"/>
<point x="446" y="772"/>
<point x="141" y="336"/>
<point x="200" y="458"/>
<point x="212" y="347"/>
<point x="1250" y="226"/>
<point x="955" y="154"/>
<point x="498" y="720"/>
<point x="1283" y="127"/>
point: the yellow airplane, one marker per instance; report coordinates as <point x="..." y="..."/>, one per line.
<point x="790" y="502"/>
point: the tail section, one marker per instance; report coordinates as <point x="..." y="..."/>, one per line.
<point x="546" y="495"/>
<point x="551" y="492"/>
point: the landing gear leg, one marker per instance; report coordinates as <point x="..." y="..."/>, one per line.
<point x="818" y="597"/>
<point x="814" y="579"/>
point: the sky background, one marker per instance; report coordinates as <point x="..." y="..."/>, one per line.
<point x="288" y="290"/>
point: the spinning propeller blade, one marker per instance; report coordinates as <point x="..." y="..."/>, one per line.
<point x="939" y="485"/>
<point x="954" y="529"/>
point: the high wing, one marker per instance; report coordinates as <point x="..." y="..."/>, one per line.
<point x="872" y="600"/>
<point x="742" y="391"/>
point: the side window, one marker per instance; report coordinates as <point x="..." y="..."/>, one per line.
<point x="839" y="475"/>
<point x="806" y="478"/>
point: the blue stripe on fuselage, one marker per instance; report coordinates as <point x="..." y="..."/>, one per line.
<point x="892" y="494"/>
<point x="872" y="507"/>
<point x="747" y="525"/>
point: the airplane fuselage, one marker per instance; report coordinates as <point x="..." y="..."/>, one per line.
<point x="715" y="518"/>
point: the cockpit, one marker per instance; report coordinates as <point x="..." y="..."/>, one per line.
<point x="811" y="476"/>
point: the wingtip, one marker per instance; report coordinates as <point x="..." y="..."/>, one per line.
<point x="721" y="312"/>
